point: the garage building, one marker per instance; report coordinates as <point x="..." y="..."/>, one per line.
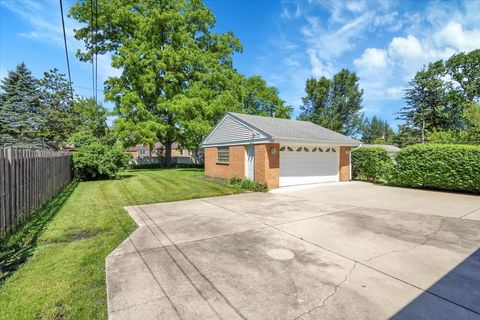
<point x="280" y="152"/>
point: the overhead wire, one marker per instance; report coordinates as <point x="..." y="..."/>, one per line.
<point x="92" y="48"/>
<point x="96" y="51"/>
<point x="66" y="49"/>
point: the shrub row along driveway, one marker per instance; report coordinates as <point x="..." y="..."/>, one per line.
<point x="341" y="251"/>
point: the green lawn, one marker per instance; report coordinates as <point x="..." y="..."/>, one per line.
<point x="65" y="277"/>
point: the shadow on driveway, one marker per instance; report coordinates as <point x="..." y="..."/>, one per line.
<point x="460" y="287"/>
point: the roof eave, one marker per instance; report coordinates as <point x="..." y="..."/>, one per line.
<point x="352" y="143"/>
<point x="236" y="143"/>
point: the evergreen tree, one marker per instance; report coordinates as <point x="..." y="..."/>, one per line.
<point x="57" y="101"/>
<point x="427" y="107"/>
<point x="21" y="115"/>
<point x="375" y="130"/>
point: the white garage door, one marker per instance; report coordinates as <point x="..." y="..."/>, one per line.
<point x="303" y="164"/>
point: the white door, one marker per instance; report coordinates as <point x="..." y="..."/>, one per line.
<point x="303" y="164"/>
<point x="250" y="162"/>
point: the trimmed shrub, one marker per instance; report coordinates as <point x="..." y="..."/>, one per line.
<point x="447" y="167"/>
<point x="249" y="185"/>
<point x="236" y="180"/>
<point x="371" y="164"/>
<point x="99" y="161"/>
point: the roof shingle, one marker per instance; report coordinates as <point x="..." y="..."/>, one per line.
<point x="279" y="128"/>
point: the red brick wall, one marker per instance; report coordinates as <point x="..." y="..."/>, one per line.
<point x="344" y="164"/>
<point x="235" y="168"/>
<point x="267" y="165"/>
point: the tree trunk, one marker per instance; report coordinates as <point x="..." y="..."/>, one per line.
<point x="168" y="153"/>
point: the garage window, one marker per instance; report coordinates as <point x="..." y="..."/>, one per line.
<point x="223" y="155"/>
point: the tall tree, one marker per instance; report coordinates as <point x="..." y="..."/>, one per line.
<point x="92" y="116"/>
<point x="375" y="130"/>
<point x="464" y="70"/>
<point x="21" y="114"/>
<point x="426" y="101"/>
<point x="439" y="94"/>
<point x="472" y="117"/>
<point x="176" y="73"/>
<point x="334" y="103"/>
<point x="57" y="102"/>
<point x="259" y="98"/>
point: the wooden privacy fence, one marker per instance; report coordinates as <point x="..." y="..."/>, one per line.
<point x="28" y="179"/>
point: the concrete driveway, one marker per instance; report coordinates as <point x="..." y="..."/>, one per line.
<point x="337" y="251"/>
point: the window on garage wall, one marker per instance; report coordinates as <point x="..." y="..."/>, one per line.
<point x="223" y="155"/>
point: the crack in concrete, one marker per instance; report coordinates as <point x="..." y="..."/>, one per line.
<point x="138" y="304"/>
<point x="427" y="239"/>
<point x="324" y="301"/>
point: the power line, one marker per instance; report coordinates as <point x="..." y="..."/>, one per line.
<point x="96" y="54"/>
<point x="66" y="49"/>
<point x="88" y="88"/>
<point x="93" y="46"/>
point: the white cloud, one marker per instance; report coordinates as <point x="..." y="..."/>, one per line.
<point x="372" y="58"/>
<point x="293" y="60"/>
<point x="405" y="48"/>
<point x="390" y="21"/>
<point x="319" y="68"/>
<point x="395" y="92"/>
<point x="454" y="35"/>
<point x="356" y="6"/>
<point x="290" y="14"/>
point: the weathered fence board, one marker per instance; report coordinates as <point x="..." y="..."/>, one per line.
<point x="28" y="179"/>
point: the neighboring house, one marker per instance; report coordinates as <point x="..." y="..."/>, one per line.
<point x="387" y="147"/>
<point x="280" y="152"/>
<point x="142" y="154"/>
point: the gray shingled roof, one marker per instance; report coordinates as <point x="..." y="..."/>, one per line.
<point x="293" y="129"/>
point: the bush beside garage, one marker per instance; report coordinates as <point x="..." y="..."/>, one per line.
<point x="432" y="166"/>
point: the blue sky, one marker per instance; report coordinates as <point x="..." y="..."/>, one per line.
<point x="285" y="42"/>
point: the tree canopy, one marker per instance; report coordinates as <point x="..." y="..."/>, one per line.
<point x="439" y="94"/>
<point x="61" y="120"/>
<point x="21" y="114"/>
<point x="334" y="103"/>
<point x="259" y="98"/>
<point x="377" y="131"/>
<point x="177" y="77"/>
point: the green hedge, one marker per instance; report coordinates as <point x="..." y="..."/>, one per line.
<point x="436" y="166"/>
<point x="446" y="167"/>
<point x="371" y="164"/>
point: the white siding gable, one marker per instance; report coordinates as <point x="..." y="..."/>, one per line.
<point x="232" y="131"/>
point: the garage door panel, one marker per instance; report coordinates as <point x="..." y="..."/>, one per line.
<point x="302" y="167"/>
